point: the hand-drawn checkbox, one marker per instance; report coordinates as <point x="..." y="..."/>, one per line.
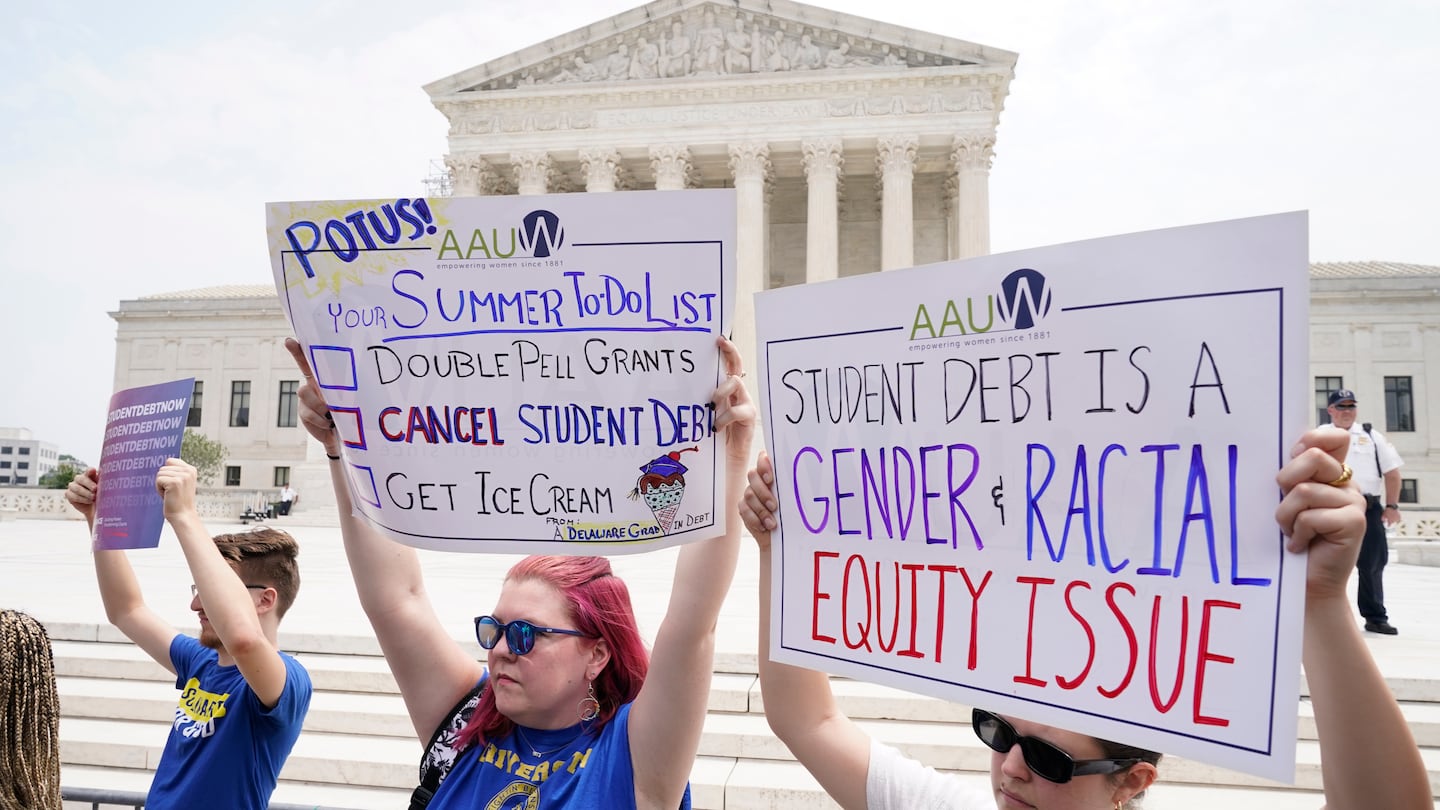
<point x="334" y="367"/>
<point x="349" y="425"/>
<point x="362" y="483"/>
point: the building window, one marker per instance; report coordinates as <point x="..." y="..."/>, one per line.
<point x="232" y="476"/>
<point x="282" y="476"/>
<point x="25" y="451"/>
<point x="197" y="401"/>
<point x="289" y="403"/>
<point x="1409" y="491"/>
<point x="4" y="479"/>
<point x="1323" y="387"/>
<point x="6" y="450"/>
<point x="240" y="403"/>
<point x="1399" y="405"/>
<point x="20" y="479"/>
<point x="22" y="465"/>
<point x="4" y="465"/>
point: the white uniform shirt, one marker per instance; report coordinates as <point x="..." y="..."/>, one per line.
<point x="1362" y="458"/>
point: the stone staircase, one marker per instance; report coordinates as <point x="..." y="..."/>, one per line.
<point x="358" y="752"/>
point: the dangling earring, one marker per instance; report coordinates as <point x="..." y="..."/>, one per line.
<point x="589" y="705"/>
<point x="1119" y="805"/>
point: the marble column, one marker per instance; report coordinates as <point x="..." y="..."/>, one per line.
<point x="750" y="164"/>
<point x="822" y="160"/>
<point x="532" y="172"/>
<point x="972" y="154"/>
<point x="599" y="166"/>
<point x="672" y="166"/>
<point x="950" y="192"/>
<point x="471" y="175"/>
<point x="895" y="160"/>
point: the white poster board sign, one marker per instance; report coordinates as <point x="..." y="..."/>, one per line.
<point x="519" y="374"/>
<point x="1043" y="483"/>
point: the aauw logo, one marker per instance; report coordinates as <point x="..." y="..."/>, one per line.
<point x="1024" y="299"/>
<point x="539" y="236"/>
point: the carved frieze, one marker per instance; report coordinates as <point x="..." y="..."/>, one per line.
<point x="714" y="40"/>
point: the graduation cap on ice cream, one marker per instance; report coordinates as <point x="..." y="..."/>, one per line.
<point x="662" y="484"/>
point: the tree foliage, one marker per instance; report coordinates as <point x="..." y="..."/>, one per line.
<point x="60" y="477"/>
<point x="204" y="454"/>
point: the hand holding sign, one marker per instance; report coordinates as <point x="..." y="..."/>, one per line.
<point x="82" y="491"/>
<point x="314" y="413"/>
<point x="176" y="484"/>
<point x="734" y="411"/>
<point x="757" y="505"/>
<point x="1315" y="514"/>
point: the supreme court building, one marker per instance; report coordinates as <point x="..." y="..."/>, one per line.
<point x="854" y="146"/>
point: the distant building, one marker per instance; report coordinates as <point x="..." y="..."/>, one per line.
<point x="231" y="340"/>
<point x="24" y="459"/>
<point x="1375" y="329"/>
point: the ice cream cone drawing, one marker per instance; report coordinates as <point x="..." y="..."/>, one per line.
<point x="662" y="485"/>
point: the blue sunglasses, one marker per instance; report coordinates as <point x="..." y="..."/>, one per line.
<point x="519" y="634"/>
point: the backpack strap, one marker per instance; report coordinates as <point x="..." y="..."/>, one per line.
<point x="1374" y="445"/>
<point x="440" y="752"/>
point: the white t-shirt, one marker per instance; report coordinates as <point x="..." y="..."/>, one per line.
<point x="895" y="782"/>
<point x="1363" y="456"/>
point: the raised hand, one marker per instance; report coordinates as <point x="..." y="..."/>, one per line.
<point x="758" y="505"/>
<point x="734" y="412"/>
<point x="314" y="413"/>
<point x="82" y="492"/>
<point x="1319" y="514"/>
<point x="176" y="484"/>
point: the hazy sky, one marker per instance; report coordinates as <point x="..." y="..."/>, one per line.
<point x="139" y="141"/>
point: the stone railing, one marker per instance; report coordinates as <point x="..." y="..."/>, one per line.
<point x="1417" y="523"/>
<point x="35" y="503"/>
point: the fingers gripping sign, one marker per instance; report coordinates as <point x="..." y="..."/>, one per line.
<point x="1316" y="513"/>
<point x="176" y="484"/>
<point x="82" y="491"/>
<point x="314" y="412"/>
<point x="734" y="411"/>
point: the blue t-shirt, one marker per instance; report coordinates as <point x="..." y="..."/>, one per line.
<point x="577" y="770"/>
<point x="225" y="748"/>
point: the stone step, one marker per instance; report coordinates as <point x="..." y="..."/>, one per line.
<point x="389" y="761"/>
<point x="361" y="675"/>
<point x="306" y="794"/>
<point x="114" y="700"/>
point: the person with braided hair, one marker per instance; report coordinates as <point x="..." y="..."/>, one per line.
<point x="29" y="716"/>
<point x="242" y="700"/>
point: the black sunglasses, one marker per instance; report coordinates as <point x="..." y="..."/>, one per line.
<point x="1044" y="759"/>
<point x="519" y="634"/>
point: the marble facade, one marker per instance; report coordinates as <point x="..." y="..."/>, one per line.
<point x="853" y="145"/>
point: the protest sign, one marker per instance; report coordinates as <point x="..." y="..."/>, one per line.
<point x="144" y="427"/>
<point x="1043" y="483"/>
<point x="519" y="374"/>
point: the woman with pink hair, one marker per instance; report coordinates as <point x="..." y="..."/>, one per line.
<point x="565" y="715"/>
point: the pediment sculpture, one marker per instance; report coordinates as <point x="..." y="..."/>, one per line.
<point x="703" y="42"/>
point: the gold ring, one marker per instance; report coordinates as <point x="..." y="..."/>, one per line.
<point x="1345" y="473"/>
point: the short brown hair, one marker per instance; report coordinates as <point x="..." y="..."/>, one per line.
<point x="265" y="556"/>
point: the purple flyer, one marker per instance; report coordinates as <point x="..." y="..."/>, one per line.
<point x="144" y="427"/>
